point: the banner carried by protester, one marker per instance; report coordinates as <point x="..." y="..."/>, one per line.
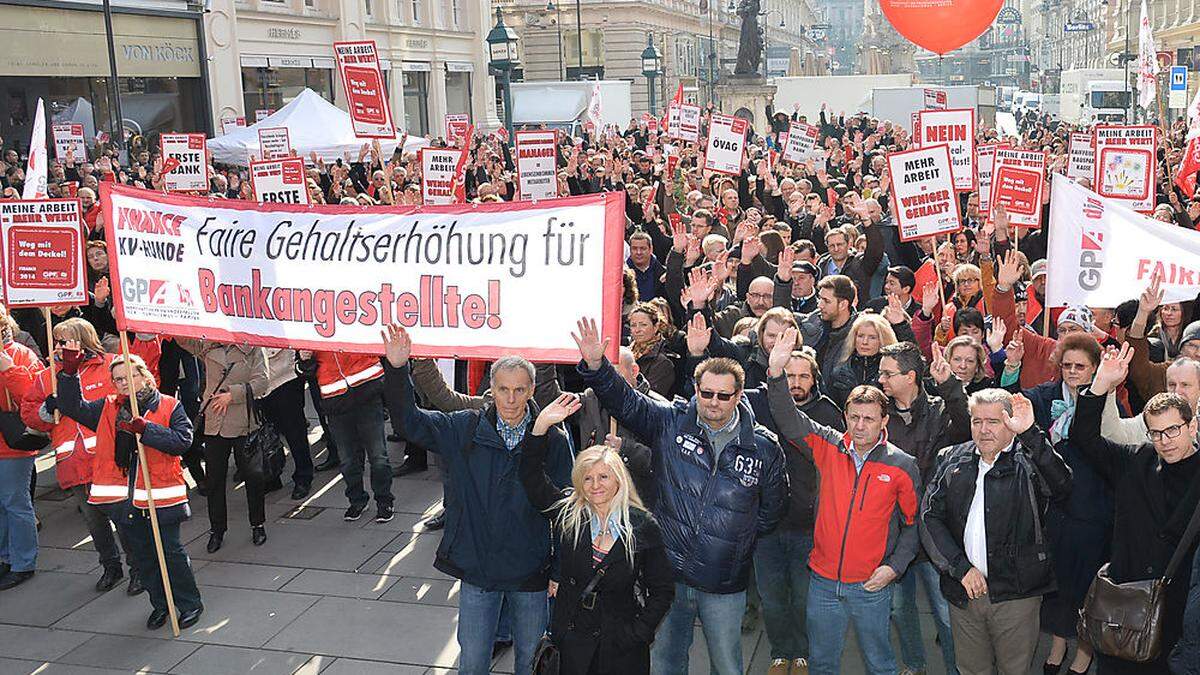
<point x="42" y="252"/>
<point x="185" y="162"/>
<point x="1102" y="253"/>
<point x="279" y="181"/>
<point x="801" y="142"/>
<point x="261" y="114"/>
<point x="1018" y="182"/>
<point x="441" y="175"/>
<point x="1125" y="168"/>
<point x="274" y="143"/>
<point x="956" y="128"/>
<point x="362" y="80"/>
<point x="985" y="158"/>
<point x="69" y="142"/>
<point x="468" y="281"/>
<point x="726" y="144"/>
<point x="456" y="128"/>
<point x="37" y="164"/>
<point x="537" y="165"/>
<point x="923" y="185"/>
<point x="1081" y="157"/>
<point x="683" y="122"/>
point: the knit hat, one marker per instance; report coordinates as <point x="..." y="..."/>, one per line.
<point x="1078" y="315"/>
<point x="1038" y="267"/>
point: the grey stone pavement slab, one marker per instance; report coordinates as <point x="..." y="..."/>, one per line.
<point x="322" y="596"/>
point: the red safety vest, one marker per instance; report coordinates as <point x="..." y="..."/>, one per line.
<point x="337" y="372"/>
<point x="16" y="382"/>
<point x="74" y="444"/>
<point x="110" y="484"/>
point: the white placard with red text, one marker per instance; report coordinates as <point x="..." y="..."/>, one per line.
<point x="467" y="280"/>
<point x="69" y="137"/>
<point x="683" y="122"/>
<point x="362" y="80"/>
<point x="440" y="175"/>
<point x="956" y="128"/>
<point x="456" y="128"/>
<point x="985" y="158"/>
<point x="1081" y="157"/>
<point x="537" y="166"/>
<point x="274" y="143"/>
<point x="801" y="142"/>
<point x="43" y="245"/>
<point x="1125" y="167"/>
<point x="726" y="144"/>
<point x="230" y="124"/>
<point x="923" y="186"/>
<point x="935" y="99"/>
<point x="1018" y="181"/>
<point x="185" y="162"/>
<point x="279" y="181"/>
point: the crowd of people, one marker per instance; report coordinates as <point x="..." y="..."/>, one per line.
<point x="806" y="418"/>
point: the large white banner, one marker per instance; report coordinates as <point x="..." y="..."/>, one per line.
<point x="440" y="179"/>
<point x="537" y="164"/>
<point x="801" y="142"/>
<point x="43" y="252"/>
<point x="923" y="185"/>
<point x="68" y="140"/>
<point x="279" y="181"/>
<point x="469" y="281"/>
<point x="726" y="144"/>
<point x="1081" y="157"/>
<point x="1102" y="253"/>
<point x="956" y="128"/>
<point x="1125" y="165"/>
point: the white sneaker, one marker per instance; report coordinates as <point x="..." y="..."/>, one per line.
<point x="800" y="667"/>
<point x="779" y="667"/>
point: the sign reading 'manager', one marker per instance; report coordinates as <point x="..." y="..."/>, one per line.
<point x="43" y="252"/>
<point x="537" y="164"/>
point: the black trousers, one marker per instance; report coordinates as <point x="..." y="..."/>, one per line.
<point x="284" y="407"/>
<point x="314" y="392"/>
<point x="216" y="454"/>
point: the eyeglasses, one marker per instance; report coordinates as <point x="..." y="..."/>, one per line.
<point x="759" y="296"/>
<point x="1170" y="432"/>
<point x="721" y="395"/>
<point x="1076" y="366"/>
<point x="886" y="375"/>
<point x="964" y="282"/>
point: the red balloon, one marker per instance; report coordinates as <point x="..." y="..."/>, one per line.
<point x="941" y="26"/>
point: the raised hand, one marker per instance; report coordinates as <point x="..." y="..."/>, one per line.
<point x="101" y="291"/>
<point x="787" y="258"/>
<point x="1015" y="351"/>
<point x="397" y="345"/>
<point x="930" y="298"/>
<point x="694" y="250"/>
<point x="939" y="367"/>
<point x="781" y="353"/>
<point x="1010" y="271"/>
<point x="894" y="312"/>
<point x="1152" y="297"/>
<point x="698" y="335"/>
<point x="679" y="236"/>
<point x="1000" y="219"/>
<point x="1114" y="367"/>
<point x="591" y="347"/>
<point x="1022" y="415"/>
<point x="751" y="247"/>
<point x="995" y="336"/>
<point x="698" y="289"/>
<point x="555" y="412"/>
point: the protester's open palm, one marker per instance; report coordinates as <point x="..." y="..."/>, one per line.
<point x="591" y="347"/>
<point x="555" y="412"/>
<point x="781" y="353"/>
<point x="1114" y="367"/>
<point x="397" y="345"/>
<point x="1022" y="415"/>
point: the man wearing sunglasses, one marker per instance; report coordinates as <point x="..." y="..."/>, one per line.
<point x="722" y="484"/>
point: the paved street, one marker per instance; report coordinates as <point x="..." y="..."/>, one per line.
<point x="322" y="596"/>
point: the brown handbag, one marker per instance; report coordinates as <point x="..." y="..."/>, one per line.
<point x="1125" y="621"/>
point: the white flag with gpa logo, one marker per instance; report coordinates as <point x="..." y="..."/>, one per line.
<point x="1102" y="253"/>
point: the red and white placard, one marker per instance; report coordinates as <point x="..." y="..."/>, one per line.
<point x="456" y="128"/>
<point x="935" y="99"/>
<point x="69" y="137"/>
<point x="185" y="162"/>
<point x="279" y="181"/>
<point x="537" y="167"/>
<point x="683" y="122"/>
<point x="274" y="143"/>
<point x="985" y="158"/>
<point x="43" y="252"/>
<point x="726" y="144"/>
<point x="1125" y="167"/>
<point x="261" y="114"/>
<point x="1018" y="182"/>
<point x="956" y="128"/>
<point x="362" y="80"/>
<point x="441" y="175"/>
<point x="801" y="142"/>
<point x="1081" y="157"/>
<point x="923" y="187"/>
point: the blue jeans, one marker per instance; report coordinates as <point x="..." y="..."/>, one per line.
<point x="721" y="621"/>
<point x="906" y="616"/>
<point x="18" y="525"/>
<point x="832" y="606"/>
<point x="781" y="574"/>
<point x="360" y="435"/>
<point x="479" y="618"/>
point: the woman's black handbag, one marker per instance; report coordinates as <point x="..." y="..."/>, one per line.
<point x="547" y="660"/>
<point x="264" y="443"/>
<point x="17" y="436"/>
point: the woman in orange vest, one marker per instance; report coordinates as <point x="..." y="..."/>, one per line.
<point x="166" y="434"/>
<point x="19" y="365"/>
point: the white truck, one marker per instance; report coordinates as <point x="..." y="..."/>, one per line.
<point x="840" y="93"/>
<point x="563" y="105"/>
<point x="897" y="104"/>
<point x="1090" y="95"/>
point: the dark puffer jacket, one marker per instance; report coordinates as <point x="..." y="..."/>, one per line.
<point x="710" y="516"/>
<point x="855" y="371"/>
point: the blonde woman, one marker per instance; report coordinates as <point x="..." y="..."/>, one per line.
<point x="602" y="529"/>
<point x="860" y="357"/>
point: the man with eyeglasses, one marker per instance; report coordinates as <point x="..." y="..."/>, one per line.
<point x="722" y="484"/>
<point x="1154" y="494"/>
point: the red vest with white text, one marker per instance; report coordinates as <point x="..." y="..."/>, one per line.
<point x="110" y="484"/>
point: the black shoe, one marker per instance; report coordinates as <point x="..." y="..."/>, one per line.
<point x="499" y="647"/>
<point x="109" y="579"/>
<point x="384" y="514"/>
<point x="300" y="490"/>
<point x="189" y="619"/>
<point x="354" y="512"/>
<point x="157" y="619"/>
<point x="14" y="579"/>
<point x="214" y="541"/>
<point x="436" y="522"/>
<point x="135" y="586"/>
<point x="329" y="463"/>
<point x="1052" y="668"/>
<point x="4" y="568"/>
<point x="408" y="466"/>
<point x="258" y="535"/>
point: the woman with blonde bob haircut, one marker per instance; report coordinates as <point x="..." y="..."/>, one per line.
<point x="869" y="334"/>
<point x="607" y="543"/>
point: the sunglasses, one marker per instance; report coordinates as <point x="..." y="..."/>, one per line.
<point x="721" y="395"/>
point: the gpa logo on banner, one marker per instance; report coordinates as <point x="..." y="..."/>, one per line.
<point x="1091" y="246"/>
<point x="156" y="292"/>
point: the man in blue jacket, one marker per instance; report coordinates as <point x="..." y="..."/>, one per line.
<point x="495" y="542"/>
<point x="722" y="483"/>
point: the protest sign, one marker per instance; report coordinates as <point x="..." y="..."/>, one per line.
<point x="985" y="157"/>
<point x="1185" y="175"/>
<point x="801" y="142"/>
<point x="68" y="138"/>
<point x="230" y="124"/>
<point x="1081" y="157"/>
<point x="726" y="143"/>
<point x="683" y="122"/>
<point x="43" y="252"/>
<point x="362" y="80"/>
<point x="279" y="181"/>
<point x="261" y="114"/>
<point x="1100" y="252"/>
<point x="185" y="162"/>
<point x="956" y="128"/>
<point x="441" y="179"/>
<point x="1125" y="168"/>
<point x="935" y="99"/>
<point x="274" y="143"/>
<point x="923" y="185"/>
<point x="468" y="281"/>
<point x="916" y="129"/>
<point x="456" y="128"/>
<point x="1018" y="181"/>
<point x="537" y="166"/>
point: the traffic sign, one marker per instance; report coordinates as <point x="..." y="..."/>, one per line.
<point x="1078" y="27"/>
<point x="1177" y="88"/>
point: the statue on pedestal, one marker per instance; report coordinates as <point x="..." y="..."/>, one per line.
<point x="750" y="44"/>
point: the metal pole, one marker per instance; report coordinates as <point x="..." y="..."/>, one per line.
<point x="650" y="85"/>
<point x="508" y="125"/>
<point x="1129" y="114"/>
<point x="119" y="133"/>
<point x="558" y="21"/>
<point x="712" y="53"/>
<point x="579" y="37"/>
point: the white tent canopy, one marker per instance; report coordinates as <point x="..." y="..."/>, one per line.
<point x="313" y="124"/>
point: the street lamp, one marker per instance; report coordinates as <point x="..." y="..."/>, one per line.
<point x="651" y="67"/>
<point x="782" y="25"/>
<point x="502" y="59"/>
<point x="551" y="7"/>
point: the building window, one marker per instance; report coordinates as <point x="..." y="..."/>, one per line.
<point x="458" y="93"/>
<point x="370" y="7"/>
<point x="416" y="103"/>
<point x="273" y="88"/>
<point x="416" y="12"/>
<point x="454" y="14"/>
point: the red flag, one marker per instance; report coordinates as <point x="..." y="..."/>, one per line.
<point x="1032" y="306"/>
<point x="925" y="274"/>
<point x="678" y="95"/>
<point x="170" y="164"/>
<point x="1185" y="177"/>
<point x="460" y="184"/>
